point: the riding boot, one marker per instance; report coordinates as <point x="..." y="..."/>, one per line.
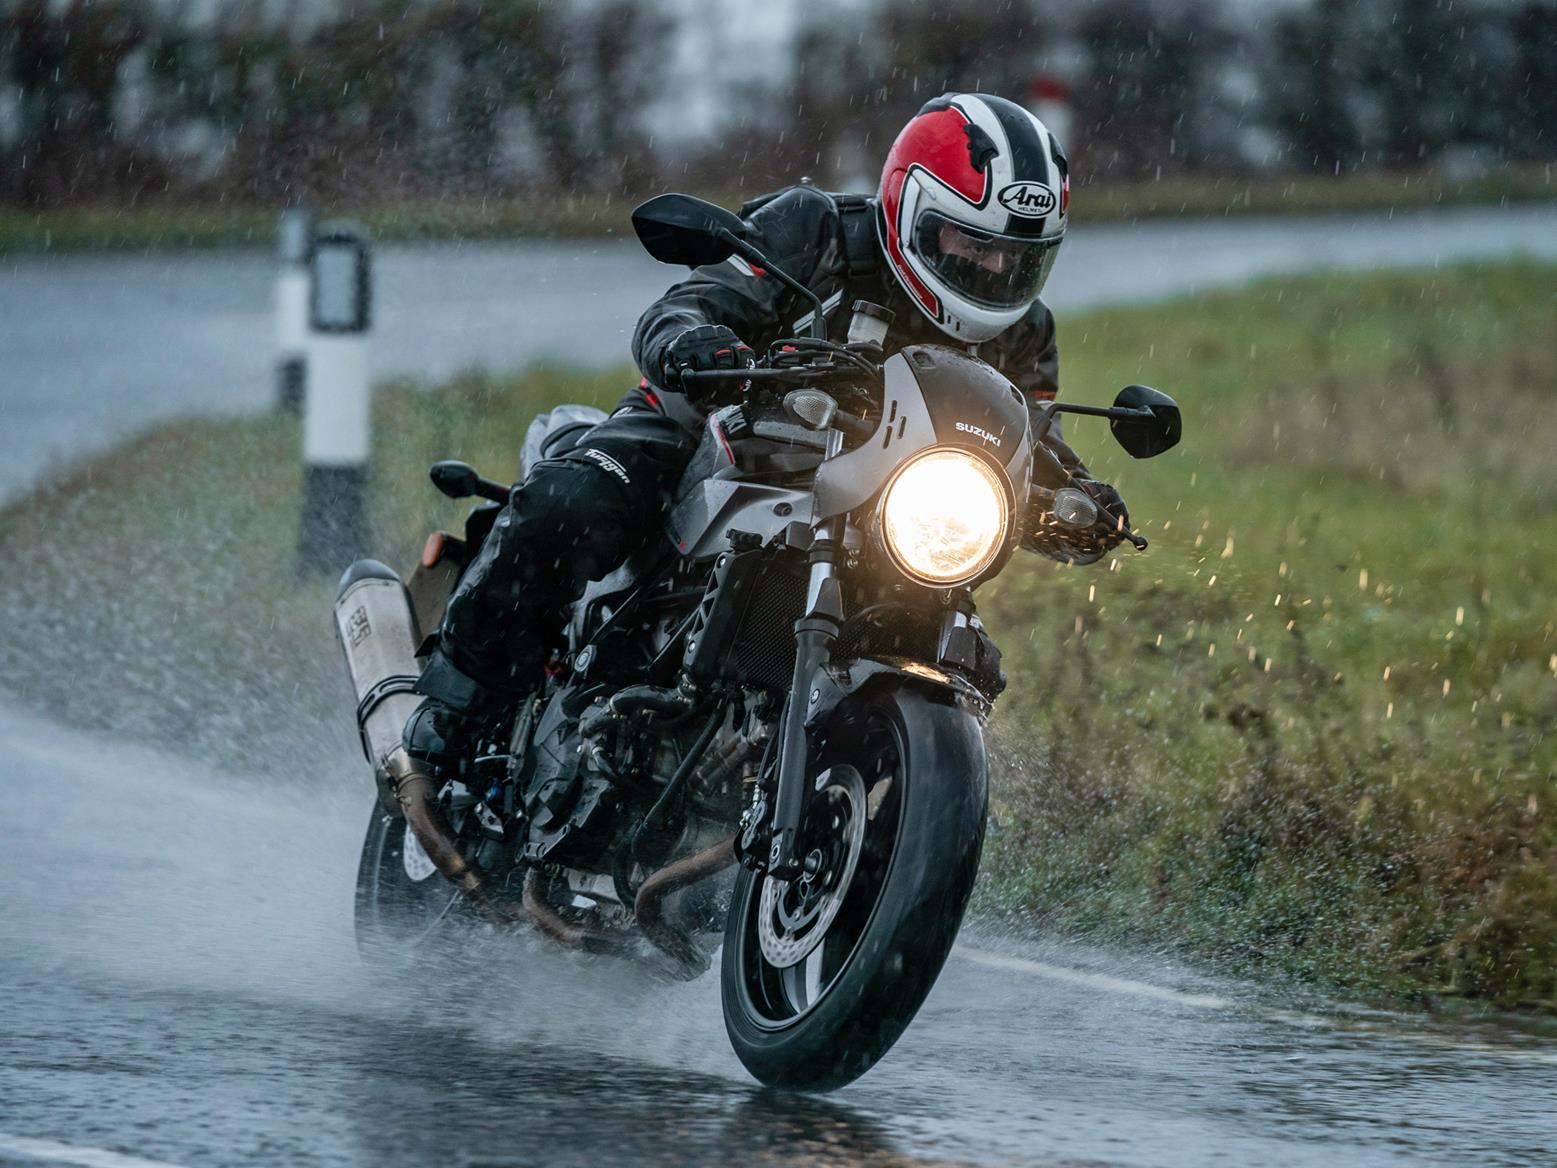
<point x="441" y="730"/>
<point x="437" y="735"/>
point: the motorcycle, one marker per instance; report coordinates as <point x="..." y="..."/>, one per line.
<point x="763" y="734"/>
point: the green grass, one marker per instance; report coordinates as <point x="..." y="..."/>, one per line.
<point x="1311" y="728"/>
<point x="154" y="590"/>
<point x="1306" y="194"/>
<point x="1241" y="741"/>
<point x="167" y="225"/>
<point x="224" y="225"/>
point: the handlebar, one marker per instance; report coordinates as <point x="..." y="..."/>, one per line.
<point x="1101" y="521"/>
<point x="796" y="375"/>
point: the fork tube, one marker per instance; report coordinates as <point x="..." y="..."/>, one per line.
<point x="815" y="633"/>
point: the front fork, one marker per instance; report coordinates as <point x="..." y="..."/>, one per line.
<point x="815" y="633"/>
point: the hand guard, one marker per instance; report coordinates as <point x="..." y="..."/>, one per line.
<point x="708" y="346"/>
<point x="1069" y="542"/>
<point x="1108" y="500"/>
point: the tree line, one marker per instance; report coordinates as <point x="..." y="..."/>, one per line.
<point x="120" y="100"/>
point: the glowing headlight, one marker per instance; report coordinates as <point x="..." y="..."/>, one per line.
<point x="944" y="517"/>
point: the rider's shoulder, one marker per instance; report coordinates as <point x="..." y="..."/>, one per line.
<point x="801" y="201"/>
<point x="1037" y="321"/>
<point x="1039" y="316"/>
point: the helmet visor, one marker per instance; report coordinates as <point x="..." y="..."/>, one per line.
<point x="998" y="271"/>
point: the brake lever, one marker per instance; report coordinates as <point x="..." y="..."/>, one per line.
<point x="1108" y="522"/>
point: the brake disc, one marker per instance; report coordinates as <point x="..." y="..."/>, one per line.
<point x="414" y="859"/>
<point x="794" y="915"/>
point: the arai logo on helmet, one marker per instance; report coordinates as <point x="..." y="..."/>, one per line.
<point x="1031" y="200"/>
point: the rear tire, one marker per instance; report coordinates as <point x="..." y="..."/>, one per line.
<point x="402" y="901"/>
<point x="824" y="1021"/>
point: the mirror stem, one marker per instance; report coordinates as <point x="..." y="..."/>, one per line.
<point x="752" y="256"/>
<point x="1119" y="413"/>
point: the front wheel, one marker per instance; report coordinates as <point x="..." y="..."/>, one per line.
<point x="823" y="973"/>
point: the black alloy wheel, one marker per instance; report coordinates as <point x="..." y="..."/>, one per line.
<point x="822" y="974"/>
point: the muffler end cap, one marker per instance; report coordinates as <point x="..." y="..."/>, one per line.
<point x="365" y="570"/>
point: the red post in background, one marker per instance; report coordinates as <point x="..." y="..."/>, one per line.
<point x="1049" y="99"/>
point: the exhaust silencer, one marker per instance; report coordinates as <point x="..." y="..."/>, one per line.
<point x="378" y="637"/>
<point x="377" y="631"/>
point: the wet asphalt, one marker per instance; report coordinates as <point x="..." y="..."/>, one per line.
<point x="179" y="985"/>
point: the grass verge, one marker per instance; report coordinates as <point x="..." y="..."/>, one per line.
<point x="1308" y="732"/>
<point x="213" y="225"/>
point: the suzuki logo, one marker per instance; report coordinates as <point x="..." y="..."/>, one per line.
<point x="977" y="433"/>
<point x="1031" y="200"/>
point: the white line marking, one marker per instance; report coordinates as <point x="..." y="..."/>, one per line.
<point x="1140" y="989"/>
<point x="53" y="1153"/>
<point x="1096" y="981"/>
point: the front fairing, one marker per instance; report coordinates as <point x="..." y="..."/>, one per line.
<point x="934" y="396"/>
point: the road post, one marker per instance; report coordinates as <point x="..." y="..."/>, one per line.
<point x="333" y="526"/>
<point x="294" y="236"/>
<point x="1049" y="99"/>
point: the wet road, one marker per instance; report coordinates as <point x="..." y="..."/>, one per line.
<point x="177" y="985"/>
<point x="95" y="346"/>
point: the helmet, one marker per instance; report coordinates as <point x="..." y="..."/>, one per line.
<point x="974" y="199"/>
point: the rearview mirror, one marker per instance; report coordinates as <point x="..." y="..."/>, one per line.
<point x="1156" y="426"/>
<point x="678" y="229"/>
<point x="457" y="480"/>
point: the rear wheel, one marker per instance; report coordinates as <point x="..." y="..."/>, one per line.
<point x="822" y="974"/>
<point x="402" y="901"/>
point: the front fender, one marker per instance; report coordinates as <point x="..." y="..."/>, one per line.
<point x="836" y="683"/>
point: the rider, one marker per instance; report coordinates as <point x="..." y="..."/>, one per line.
<point x="958" y="242"/>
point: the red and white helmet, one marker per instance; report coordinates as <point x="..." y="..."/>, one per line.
<point x="974" y="199"/>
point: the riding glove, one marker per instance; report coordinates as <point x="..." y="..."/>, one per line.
<point x="707" y="346"/>
<point x="1107" y="499"/>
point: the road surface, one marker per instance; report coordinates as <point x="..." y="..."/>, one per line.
<point x="95" y="346"/>
<point x="180" y="987"/>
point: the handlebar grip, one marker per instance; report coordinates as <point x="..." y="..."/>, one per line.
<point x="758" y="374"/>
<point x="692" y="376"/>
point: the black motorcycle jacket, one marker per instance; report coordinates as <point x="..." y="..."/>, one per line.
<point x="829" y="243"/>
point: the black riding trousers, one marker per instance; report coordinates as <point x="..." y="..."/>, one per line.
<point x="575" y="518"/>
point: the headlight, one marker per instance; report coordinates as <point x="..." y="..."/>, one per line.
<point x="944" y="517"/>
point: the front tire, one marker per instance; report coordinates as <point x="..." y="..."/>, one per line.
<point x="836" y="1008"/>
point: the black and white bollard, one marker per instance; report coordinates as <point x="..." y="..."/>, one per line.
<point x="294" y="236"/>
<point x="336" y="405"/>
